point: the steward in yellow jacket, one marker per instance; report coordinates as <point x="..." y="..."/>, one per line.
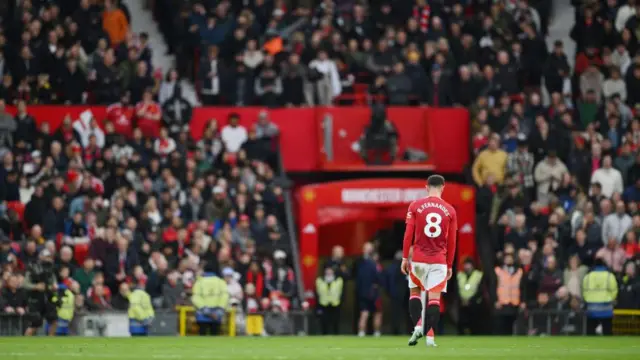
<point x="211" y="300"/>
<point x="65" y="304"/>
<point x="141" y="312"/>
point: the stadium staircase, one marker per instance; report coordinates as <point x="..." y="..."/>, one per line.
<point x="143" y="21"/>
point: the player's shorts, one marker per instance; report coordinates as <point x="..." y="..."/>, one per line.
<point x="428" y="277"/>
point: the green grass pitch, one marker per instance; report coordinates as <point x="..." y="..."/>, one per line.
<point x="321" y="348"/>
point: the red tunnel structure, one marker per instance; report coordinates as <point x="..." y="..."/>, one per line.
<point x="349" y="213"/>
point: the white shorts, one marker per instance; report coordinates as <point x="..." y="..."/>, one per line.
<point x="428" y="277"/>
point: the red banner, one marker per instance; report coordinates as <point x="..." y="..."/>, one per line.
<point x="441" y="133"/>
<point x="341" y="201"/>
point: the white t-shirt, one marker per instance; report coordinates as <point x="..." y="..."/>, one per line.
<point x="234" y="137"/>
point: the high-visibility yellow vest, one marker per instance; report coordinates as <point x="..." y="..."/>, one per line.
<point x="599" y="291"/>
<point x="599" y="287"/>
<point x="329" y="294"/>
<point x="140" y="307"/>
<point x="210" y="292"/>
<point x="67" y="306"/>
<point x="508" y="287"/>
<point x="468" y="285"/>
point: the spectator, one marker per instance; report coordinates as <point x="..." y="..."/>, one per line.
<point x="438" y="92"/>
<point x="609" y="177"/>
<point x="84" y="276"/>
<point x="149" y="115"/>
<point x="265" y="128"/>
<point x="168" y="87"/>
<point x="551" y="277"/>
<point x="557" y="69"/>
<point x="629" y="288"/>
<point x="115" y="22"/>
<point x="520" y="164"/>
<point x="295" y="85"/>
<point x="13" y="299"/>
<point x="549" y="174"/>
<point x="233" y="135"/>
<point x="7" y="127"/>
<point x="592" y="81"/>
<point x="173" y="291"/>
<point x="612" y="255"/>
<point x="210" y="77"/>
<point x="121" y="300"/>
<point x="573" y="276"/>
<point x="615" y="85"/>
<point x="327" y="87"/>
<point x="233" y="286"/>
<point x="399" y="86"/>
<point x="99" y="295"/>
<point x="616" y="225"/>
<point x="490" y="162"/>
<point x="164" y="145"/>
<point x="268" y="83"/>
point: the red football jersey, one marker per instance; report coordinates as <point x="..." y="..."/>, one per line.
<point x="120" y="117"/>
<point x="431" y="224"/>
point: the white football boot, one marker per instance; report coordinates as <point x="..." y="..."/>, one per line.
<point x="417" y="335"/>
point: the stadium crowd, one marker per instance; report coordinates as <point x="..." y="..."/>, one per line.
<point x="136" y="203"/>
<point x="558" y="185"/>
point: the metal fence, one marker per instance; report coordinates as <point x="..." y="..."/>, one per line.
<point x="12" y="324"/>
<point x="568" y="322"/>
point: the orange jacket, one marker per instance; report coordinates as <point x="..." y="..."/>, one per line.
<point x="115" y="23"/>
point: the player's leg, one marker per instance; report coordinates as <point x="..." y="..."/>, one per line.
<point x="436" y="284"/>
<point x="415" y="303"/>
<point x="432" y="316"/>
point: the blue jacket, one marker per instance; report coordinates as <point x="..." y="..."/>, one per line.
<point x="367" y="279"/>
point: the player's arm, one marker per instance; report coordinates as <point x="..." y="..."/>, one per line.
<point x="407" y="241"/>
<point x="451" y="239"/>
<point x="408" y="232"/>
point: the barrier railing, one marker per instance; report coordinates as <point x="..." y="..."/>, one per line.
<point x="255" y="324"/>
<point x="569" y="322"/>
<point x="12" y="324"/>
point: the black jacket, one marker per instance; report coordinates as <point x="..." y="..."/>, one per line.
<point x="14" y="299"/>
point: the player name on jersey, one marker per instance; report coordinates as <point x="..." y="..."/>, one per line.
<point x="438" y="206"/>
<point x="382" y="196"/>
